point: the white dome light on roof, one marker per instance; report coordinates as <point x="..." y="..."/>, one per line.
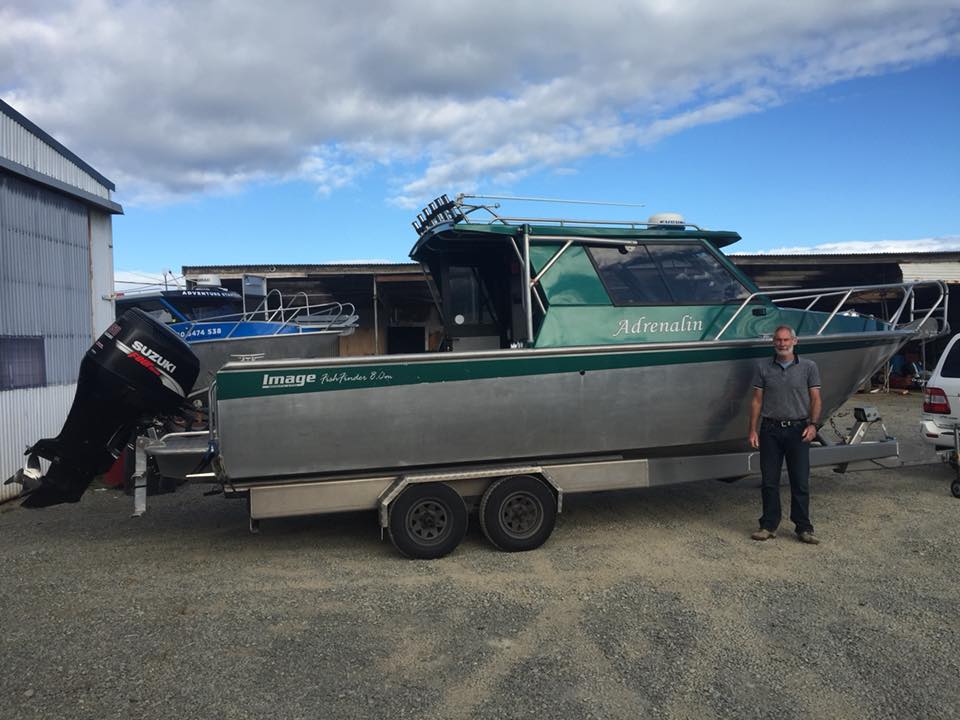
<point x="667" y="220"/>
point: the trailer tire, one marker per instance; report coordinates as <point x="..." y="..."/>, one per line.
<point x="518" y="513"/>
<point x="428" y="521"/>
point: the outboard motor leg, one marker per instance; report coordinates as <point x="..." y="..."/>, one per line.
<point x="136" y="370"/>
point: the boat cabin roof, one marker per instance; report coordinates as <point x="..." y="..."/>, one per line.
<point x="456" y="236"/>
<point x="198" y="294"/>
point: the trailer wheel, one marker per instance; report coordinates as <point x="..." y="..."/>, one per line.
<point x="955" y="488"/>
<point x="518" y="513"/>
<point x="428" y="521"/>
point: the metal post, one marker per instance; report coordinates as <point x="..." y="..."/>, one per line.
<point x="527" y="287"/>
<point x="923" y="363"/>
<point x="140" y="478"/>
<point x="376" y="320"/>
<point x="956" y="448"/>
<point x="551" y="261"/>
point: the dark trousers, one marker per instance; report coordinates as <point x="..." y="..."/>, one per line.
<point x="776" y="444"/>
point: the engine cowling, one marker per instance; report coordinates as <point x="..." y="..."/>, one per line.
<point x="138" y="368"/>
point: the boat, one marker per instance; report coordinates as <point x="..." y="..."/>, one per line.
<point x="579" y="356"/>
<point x="218" y="328"/>
<point x="569" y="339"/>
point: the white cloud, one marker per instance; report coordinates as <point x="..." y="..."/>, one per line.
<point x="950" y="243"/>
<point x="173" y="100"/>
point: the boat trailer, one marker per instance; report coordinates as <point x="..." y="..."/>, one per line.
<point x="188" y="457"/>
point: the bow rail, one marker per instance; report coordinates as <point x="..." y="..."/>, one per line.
<point x="815" y="295"/>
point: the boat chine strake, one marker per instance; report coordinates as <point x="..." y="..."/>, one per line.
<point x="136" y="370"/>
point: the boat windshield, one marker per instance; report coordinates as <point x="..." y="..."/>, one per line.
<point x="154" y="308"/>
<point x="666" y="274"/>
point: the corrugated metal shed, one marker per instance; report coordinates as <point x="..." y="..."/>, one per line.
<point x="24" y="143"/>
<point x="855" y="258"/>
<point x="828" y="270"/>
<point x="946" y="271"/>
<point x="56" y="261"/>
<point x="44" y="274"/>
<point x="191" y="272"/>
<point x="29" y="414"/>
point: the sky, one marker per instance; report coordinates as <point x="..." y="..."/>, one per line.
<point x="311" y="132"/>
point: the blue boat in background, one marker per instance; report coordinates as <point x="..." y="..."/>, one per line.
<point x="219" y="329"/>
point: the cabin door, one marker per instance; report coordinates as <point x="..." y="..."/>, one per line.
<point x="471" y="310"/>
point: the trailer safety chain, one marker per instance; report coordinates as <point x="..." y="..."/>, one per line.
<point x="833" y="424"/>
<point x="840" y="435"/>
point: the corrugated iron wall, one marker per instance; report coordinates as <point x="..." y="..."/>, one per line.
<point x="946" y="271"/>
<point x="45" y="273"/>
<point x="20" y="145"/>
<point x="45" y="291"/>
<point x="101" y="270"/>
<point x="28" y="415"/>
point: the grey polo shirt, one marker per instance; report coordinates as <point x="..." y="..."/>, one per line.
<point x="786" y="391"/>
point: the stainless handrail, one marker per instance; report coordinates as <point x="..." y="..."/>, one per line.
<point x="284" y="318"/>
<point x="287" y="313"/>
<point x="567" y="222"/>
<point x="308" y="310"/>
<point x="467" y="209"/>
<point x="817" y="294"/>
<point x="265" y="304"/>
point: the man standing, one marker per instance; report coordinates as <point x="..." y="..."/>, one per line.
<point x="786" y="406"/>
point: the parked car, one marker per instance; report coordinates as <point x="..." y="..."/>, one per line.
<point x="941" y="399"/>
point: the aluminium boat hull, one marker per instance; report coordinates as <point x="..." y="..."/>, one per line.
<point x="281" y="420"/>
<point x="214" y="354"/>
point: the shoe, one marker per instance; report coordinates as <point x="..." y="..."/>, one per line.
<point x="763" y="534"/>
<point x="808" y="537"/>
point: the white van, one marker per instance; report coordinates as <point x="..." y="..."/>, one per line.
<point x="941" y="399"/>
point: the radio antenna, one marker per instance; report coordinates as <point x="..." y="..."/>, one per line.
<point x="461" y="197"/>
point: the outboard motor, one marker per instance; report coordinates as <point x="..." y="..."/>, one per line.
<point x="137" y="369"/>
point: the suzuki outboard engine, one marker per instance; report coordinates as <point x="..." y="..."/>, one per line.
<point x="136" y="370"/>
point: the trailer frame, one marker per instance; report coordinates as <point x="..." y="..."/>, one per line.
<point x="269" y="498"/>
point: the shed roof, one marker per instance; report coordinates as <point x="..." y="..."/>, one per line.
<point x="304" y="269"/>
<point x="7" y="110"/>
<point x="844" y="258"/>
<point x="29" y="152"/>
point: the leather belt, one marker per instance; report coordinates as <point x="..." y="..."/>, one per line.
<point x="786" y="423"/>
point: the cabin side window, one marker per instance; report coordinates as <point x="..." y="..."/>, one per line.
<point x="666" y="274"/>
<point x="198" y="311"/>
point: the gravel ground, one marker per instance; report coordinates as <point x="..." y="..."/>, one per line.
<point x="650" y="603"/>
